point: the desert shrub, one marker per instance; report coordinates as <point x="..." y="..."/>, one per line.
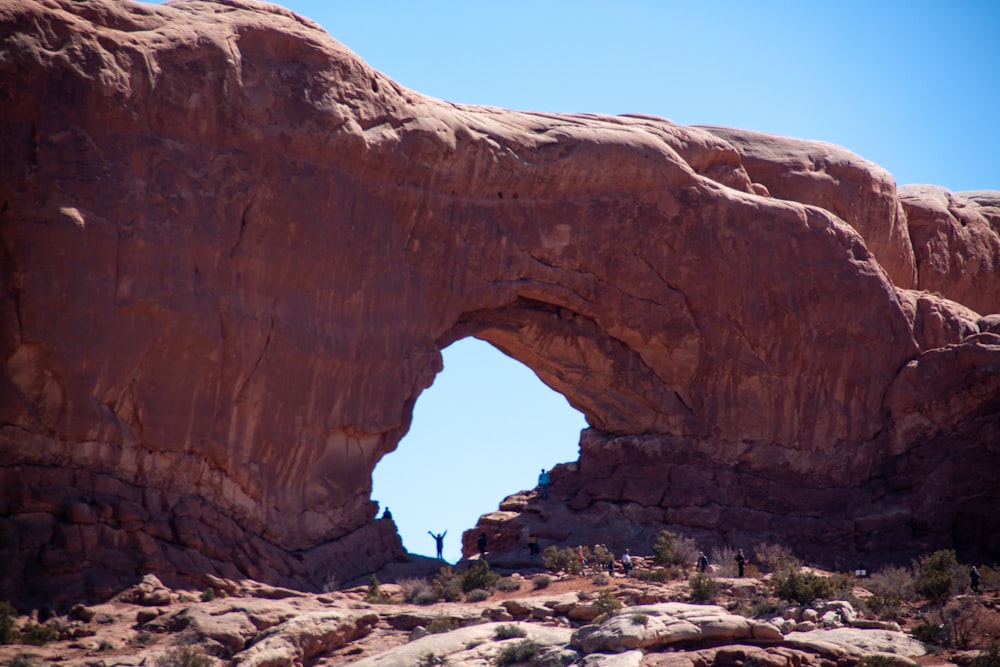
<point x="703" y="587"/>
<point x="685" y="551"/>
<point x="877" y="660"/>
<point x="890" y="587"/>
<point x="8" y="627"/>
<point x="428" y="596"/>
<point x="509" y="631"/>
<point x="724" y="558"/>
<point x="143" y="638"/>
<point x="479" y="576"/>
<point x="564" y="560"/>
<point x="599" y="554"/>
<point x="105" y="645"/>
<point x="330" y="583"/>
<point x="429" y="659"/>
<point x="447" y="585"/>
<point x="988" y="657"/>
<point x="761" y="608"/>
<point x="640" y="619"/>
<point x="989" y="579"/>
<point x="540" y="581"/>
<point x="885" y="606"/>
<point x="802" y="587"/>
<point x="513" y="654"/>
<point x="775" y="557"/>
<point x="953" y="626"/>
<point x="658" y="575"/>
<point x="508" y="584"/>
<point x="937" y="575"/>
<point x="663" y="549"/>
<point x="207" y="595"/>
<point x="38" y="635"/>
<point x="412" y="587"/>
<point x="375" y="594"/>
<point x="441" y="624"/>
<point x="606" y="603"/>
<point x="184" y="656"/>
<point x="20" y="660"/>
<point x="477" y="595"/>
<point x="600" y="579"/>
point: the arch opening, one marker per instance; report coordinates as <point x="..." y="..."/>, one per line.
<point x="481" y="432"/>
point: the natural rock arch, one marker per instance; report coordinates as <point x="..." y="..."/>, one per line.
<point x="258" y="294"/>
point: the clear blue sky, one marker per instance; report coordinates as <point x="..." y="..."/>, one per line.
<point x="912" y="85"/>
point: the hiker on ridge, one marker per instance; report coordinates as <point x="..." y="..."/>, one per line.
<point x="439" y="539"/>
<point x="543" y="484"/>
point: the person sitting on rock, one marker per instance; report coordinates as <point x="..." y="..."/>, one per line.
<point x="481" y="544"/>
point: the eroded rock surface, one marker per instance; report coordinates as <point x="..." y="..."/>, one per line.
<point x="233" y="253"/>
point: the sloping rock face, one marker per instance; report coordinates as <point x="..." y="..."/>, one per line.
<point x="233" y="253"/>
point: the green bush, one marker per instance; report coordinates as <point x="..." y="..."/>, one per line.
<point x="509" y="631"/>
<point x="8" y="628"/>
<point x="566" y="559"/>
<point x="479" y="576"/>
<point x="20" y="660"/>
<point x="184" y="656"/>
<point x="430" y="660"/>
<point x="38" y="635"/>
<point x="509" y="584"/>
<point x="703" y="587"/>
<point x="640" y="619"/>
<point x="207" y="595"/>
<point x="513" y="654"/>
<point x="540" y="581"/>
<point x="660" y="575"/>
<point x="375" y="594"/>
<point x="936" y="575"/>
<point x="802" y="587"/>
<point x="477" y="595"/>
<point x="447" y="585"/>
<point x="663" y="549"/>
<point x="989" y="657"/>
<point x="877" y="660"/>
<point x="606" y="603"/>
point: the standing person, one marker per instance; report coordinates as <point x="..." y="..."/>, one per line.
<point x="627" y="563"/>
<point x="532" y="544"/>
<point x="741" y="560"/>
<point x="974" y="579"/>
<point x="481" y="543"/>
<point x="611" y="564"/>
<point x="702" y="562"/>
<point x="440" y="543"/>
<point x="543" y="484"/>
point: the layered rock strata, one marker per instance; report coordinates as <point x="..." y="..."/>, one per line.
<point x="232" y="253"/>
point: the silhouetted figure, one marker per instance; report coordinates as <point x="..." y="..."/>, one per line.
<point x="387" y="514"/>
<point x="543" y="484"/>
<point x="532" y="545"/>
<point x="702" y="562"/>
<point x="974" y="579"/>
<point x="439" y="539"/>
<point x="741" y="561"/>
<point x="481" y="543"/>
<point x="627" y="563"/>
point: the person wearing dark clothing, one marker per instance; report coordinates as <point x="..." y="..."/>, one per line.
<point x="387" y="514"/>
<point x="974" y="579"/>
<point x="532" y="545"/>
<point x="439" y="539"/>
<point x="543" y="484"/>
<point x="481" y="544"/>
<point x="741" y="561"/>
<point x="702" y="562"/>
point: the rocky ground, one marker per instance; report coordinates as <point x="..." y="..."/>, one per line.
<point x="565" y="622"/>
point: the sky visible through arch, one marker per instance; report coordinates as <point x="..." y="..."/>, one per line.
<point x="912" y="85"/>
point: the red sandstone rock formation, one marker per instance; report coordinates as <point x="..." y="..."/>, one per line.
<point x="233" y="253"/>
